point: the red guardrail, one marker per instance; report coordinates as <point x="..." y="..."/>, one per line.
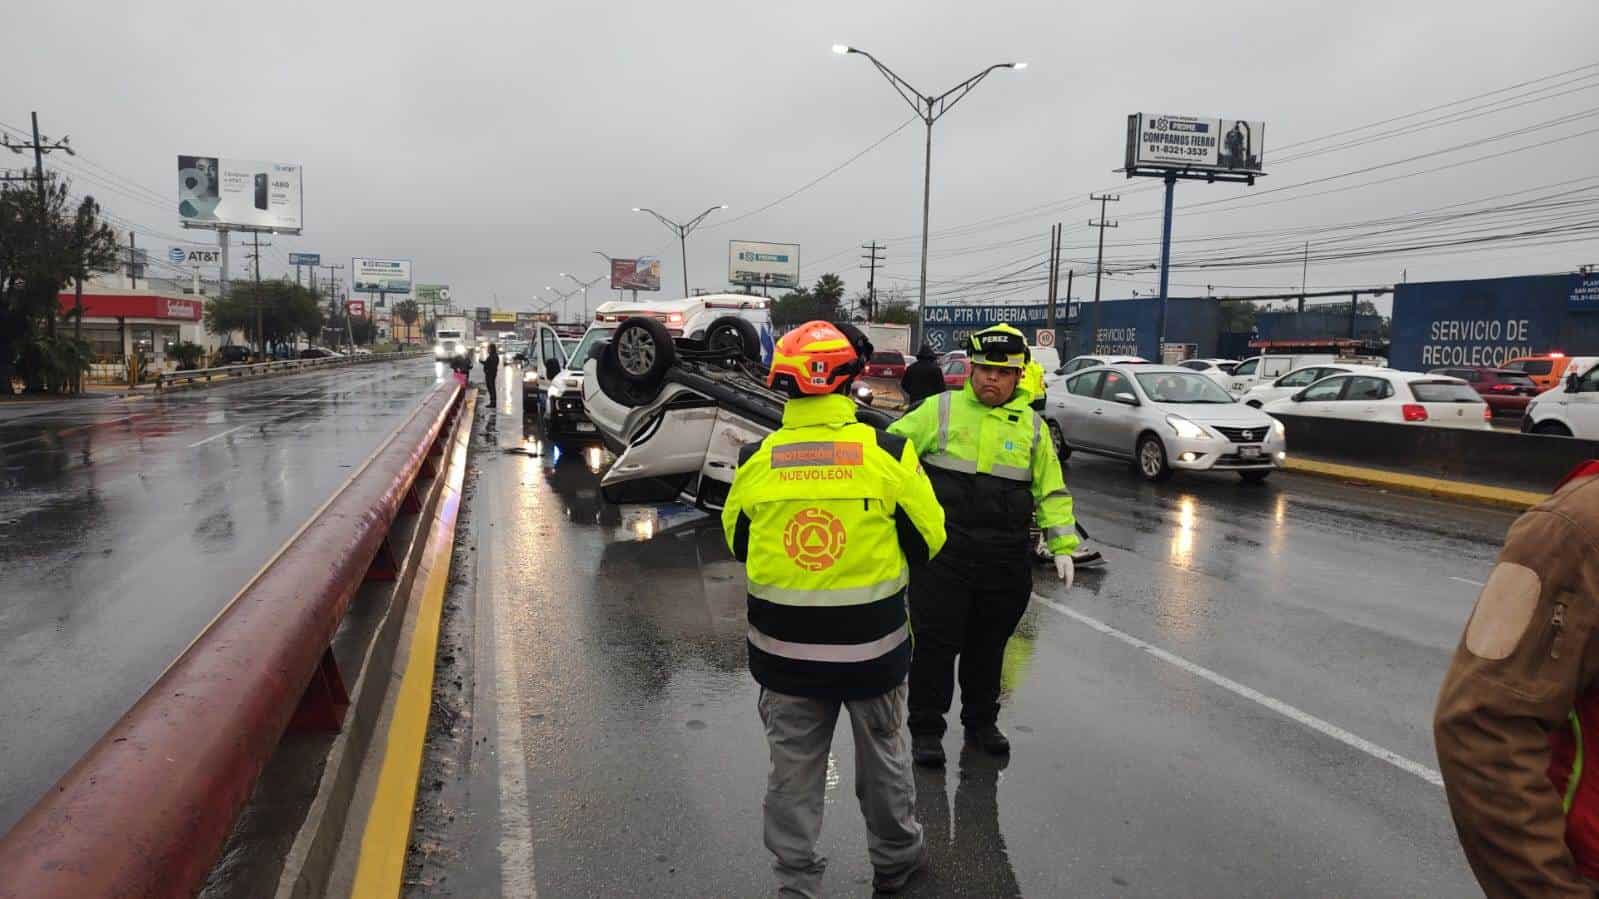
<point x="148" y="809"/>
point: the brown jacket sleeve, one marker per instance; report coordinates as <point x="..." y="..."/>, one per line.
<point x="1527" y="654"/>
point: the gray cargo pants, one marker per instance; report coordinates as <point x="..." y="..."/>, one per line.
<point x="799" y="732"/>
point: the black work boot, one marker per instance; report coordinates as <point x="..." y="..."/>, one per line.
<point x="989" y="738"/>
<point x="927" y="750"/>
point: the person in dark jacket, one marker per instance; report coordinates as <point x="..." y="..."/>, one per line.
<point x="491" y="369"/>
<point x="923" y="378"/>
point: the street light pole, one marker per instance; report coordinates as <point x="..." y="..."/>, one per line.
<point x="585" y="285"/>
<point x="929" y="109"/>
<point x="682" y="230"/>
<point x="608" y="261"/>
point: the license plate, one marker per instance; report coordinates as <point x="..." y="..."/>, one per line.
<point x="589" y="426"/>
<point x="1249" y="452"/>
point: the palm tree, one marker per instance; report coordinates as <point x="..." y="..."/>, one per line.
<point x="406" y="311"/>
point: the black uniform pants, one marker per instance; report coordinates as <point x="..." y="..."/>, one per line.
<point x="958" y="613"/>
<point x="490" y="376"/>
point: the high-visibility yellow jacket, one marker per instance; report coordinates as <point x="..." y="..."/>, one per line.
<point x="991" y="467"/>
<point x="827" y="513"/>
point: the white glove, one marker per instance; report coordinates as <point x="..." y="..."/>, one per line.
<point x="1065" y="569"/>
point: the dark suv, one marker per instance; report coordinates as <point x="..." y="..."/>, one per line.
<point x="233" y="354"/>
<point x="1506" y="392"/>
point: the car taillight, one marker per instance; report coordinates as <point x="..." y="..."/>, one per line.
<point x="1414" y="412"/>
<point x="1503" y="388"/>
<point x="1487" y="414"/>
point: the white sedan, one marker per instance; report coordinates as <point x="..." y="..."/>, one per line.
<point x="1296" y="380"/>
<point x="1393" y="396"/>
<point x="1216" y="369"/>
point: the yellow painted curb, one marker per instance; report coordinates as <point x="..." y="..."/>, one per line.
<point x="384" y="840"/>
<point x="1462" y="490"/>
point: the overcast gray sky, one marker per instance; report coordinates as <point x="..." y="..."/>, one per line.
<point x="499" y="144"/>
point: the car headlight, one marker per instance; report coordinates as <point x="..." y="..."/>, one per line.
<point x="1277" y="429"/>
<point x="1185" y="428"/>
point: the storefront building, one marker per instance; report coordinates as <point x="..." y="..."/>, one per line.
<point x="121" y="322"/>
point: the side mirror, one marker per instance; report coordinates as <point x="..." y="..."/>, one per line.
<point x="1298" y="397"/>
<point x="1126" y="399"/>
<point x="551" y="368"/>
<point x="1573" y="383"/>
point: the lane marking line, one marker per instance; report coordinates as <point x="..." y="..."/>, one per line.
<point x="386" y="836"/>
<point x="516" y="824"/>
<point x="1430" y="775"/>
<point x="216" y="436"/>
<point x="1467" y="580"/>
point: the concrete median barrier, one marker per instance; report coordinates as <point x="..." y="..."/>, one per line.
<point x="223" y="374"/>
<point x="1496" y="466"/>
<point x="148" y="809"/>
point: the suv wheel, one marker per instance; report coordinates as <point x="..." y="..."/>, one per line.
<point x="1552" y="429"/>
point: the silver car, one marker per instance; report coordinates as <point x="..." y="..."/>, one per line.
<point x="1162" y="418"/>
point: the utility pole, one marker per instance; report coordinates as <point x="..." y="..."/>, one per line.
<point x="1304" y="276"/>
<point x="133" y="260"/>
<point x="333" y="288"/>
<point x="1054" y="276"/>
<point x="872" y="258"/>
<point x="39" y="148"/>
<point x="1099" y="266"/>
<point x="260" y="328"/>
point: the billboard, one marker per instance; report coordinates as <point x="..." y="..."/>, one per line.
<point x="1485" y="322"/>
<point x="305" y="258"/>
<point x="243" y="193"/>
<point x="502" y="316"/>
<point x="433" y="293"/>
<point x="1187" y="142"/>
<point x="357" y="308"/>
<point x="763" y="264"/>
<point x="380" y="275"/>
<point x="949" y="327"/>
<point x="643" y="273"/>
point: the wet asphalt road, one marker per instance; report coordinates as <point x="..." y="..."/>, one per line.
<point x="1238" y="704"/>
<point x="125" y="526"/>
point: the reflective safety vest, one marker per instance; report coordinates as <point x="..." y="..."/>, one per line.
<point x="1578" y="785"/>
<point x="826" y="513"/>
<point x="992" y="467"/>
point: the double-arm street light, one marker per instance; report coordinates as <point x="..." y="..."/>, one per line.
<point x="563" y="297"/>
<point x="929" y="109"/>
<point x="682" y="231"/>
<point x="585" y="285"/>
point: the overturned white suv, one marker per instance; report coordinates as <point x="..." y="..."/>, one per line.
<point x="675" y="411"/>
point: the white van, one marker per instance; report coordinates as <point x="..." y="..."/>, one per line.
<point x="1262" y="369"/>
<point x="564" y="411"/>
<point x="1570" y="410"/>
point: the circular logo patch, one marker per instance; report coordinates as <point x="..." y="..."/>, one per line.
<point x="814" y="539"/>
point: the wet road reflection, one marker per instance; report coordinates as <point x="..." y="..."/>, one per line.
<point x="125" y="526"/>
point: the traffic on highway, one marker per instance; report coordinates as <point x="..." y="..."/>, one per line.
<point x="570" y="450"/>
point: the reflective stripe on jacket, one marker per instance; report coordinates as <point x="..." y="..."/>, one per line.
<point x="827" y="513"/>
<point x="991" y="466"/>
<point x="1571" y="772"/>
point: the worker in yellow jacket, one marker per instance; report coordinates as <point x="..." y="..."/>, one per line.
<point x="993" y="465"/>
<point x="828" y="515"/>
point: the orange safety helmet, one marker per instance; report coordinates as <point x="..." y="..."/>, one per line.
<point x="815" y="359"/>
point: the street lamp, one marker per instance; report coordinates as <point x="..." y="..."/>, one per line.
<point x="682" y="231"/>
<point x="929" y="109"/>
<point x="585" y="285"/>
<point x="563" y="297"/>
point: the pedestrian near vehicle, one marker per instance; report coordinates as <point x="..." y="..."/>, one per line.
<point x="992" y="465"/>
<point x="1517" y="722"/>
<point x="491" y="370"/>
<point x="923" y="378"/>
<point x="827" y="515"/>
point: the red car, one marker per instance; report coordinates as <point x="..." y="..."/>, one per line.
<point x="886" y="364"/>
<point x="1506" y="392"/>
<point x="956" y="371"/>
